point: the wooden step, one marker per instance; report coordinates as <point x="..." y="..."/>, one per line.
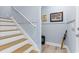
<point x="22" y="49"/>
<point x="13" y="48"/>
<point x="2" y="47"/>
<point x="9" y="36"/>
<point x="33" y="51"/>
<point x="6" y="21"/>
<point x="9" y="30"/>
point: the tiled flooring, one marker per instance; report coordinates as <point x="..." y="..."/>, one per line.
<point x="52" y="49"/>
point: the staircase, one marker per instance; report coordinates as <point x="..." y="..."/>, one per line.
<point x="13" y="39"/>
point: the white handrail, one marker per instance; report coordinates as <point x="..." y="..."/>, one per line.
<point x="71" y="21"/>
<point x="24" y="16"/>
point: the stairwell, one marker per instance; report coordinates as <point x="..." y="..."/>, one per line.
<point x="13" y="40"/>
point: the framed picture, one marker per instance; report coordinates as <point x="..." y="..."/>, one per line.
<point x="44" y="18"/>
<point x="56" y="17"/>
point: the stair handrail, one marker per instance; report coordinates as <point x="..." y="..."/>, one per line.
<point x="24" y="16"/>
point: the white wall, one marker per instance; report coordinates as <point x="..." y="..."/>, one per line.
<point x="5" y="11"/>
<point x="33" y="13"/>
<point x="68" y="12"/>
<point x="71" y="38"/>
<point x="54" y="31"/>
<point x="77" y="26"/>
<point x="77" y="19"/>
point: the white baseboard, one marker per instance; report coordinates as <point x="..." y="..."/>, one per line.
<point x="58" y="45"/>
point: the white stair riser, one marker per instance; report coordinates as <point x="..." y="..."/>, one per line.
<point x="6" y="20"/>
<point x="7" y="28"/>
<point x="9" y="33"/>
<point x="5" y="23"/>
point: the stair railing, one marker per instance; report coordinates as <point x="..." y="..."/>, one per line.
<point x="24" y="22"/>
<point x="24" y="16"/>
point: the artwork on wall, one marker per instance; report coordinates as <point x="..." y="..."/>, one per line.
<point x="44" y="18"/>
<point x="56" y="17"/>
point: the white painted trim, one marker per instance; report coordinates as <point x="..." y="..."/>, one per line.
<point x="24" y="16"/>
<point x="58" y="45"/>
<point x="77" y="45"/>
<point x="53" y="23"/>
<point x="26" y="35"/>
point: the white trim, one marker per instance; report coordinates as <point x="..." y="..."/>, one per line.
<point x="58" y="45"/>
<point x="25" y="33"/>
<point x="77" y="45"/>
<point x="24" y="16"/>
<point x="53" y="23"/>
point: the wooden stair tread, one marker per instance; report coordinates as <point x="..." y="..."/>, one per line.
<point x="8" y="40"/>
<point x="33" y="51"/>
<point x="9" y="36"/>
<point x="9" y="30"/>
<point x="11" y="44"/>
<point x="22" y="49"/>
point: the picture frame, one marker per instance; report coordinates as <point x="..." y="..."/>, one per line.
<point x="44" y="18"/>
<point x="56" y="17"/>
